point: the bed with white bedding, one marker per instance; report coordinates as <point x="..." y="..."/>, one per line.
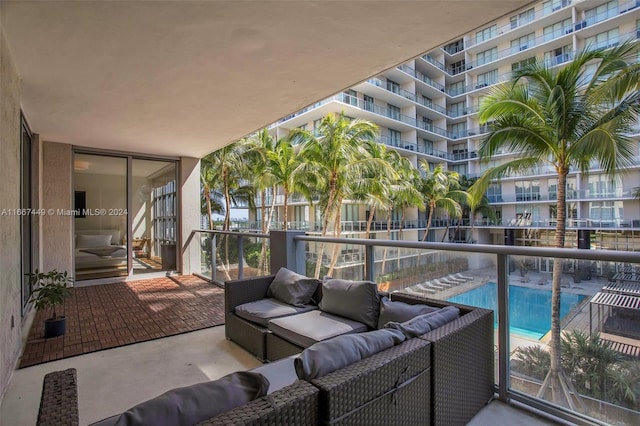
<point x="99" y="250"/>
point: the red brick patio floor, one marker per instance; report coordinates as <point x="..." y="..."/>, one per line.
<point x="106" y="316"/>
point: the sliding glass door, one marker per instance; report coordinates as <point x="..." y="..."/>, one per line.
<point x="100" y="195"/>
<point x="126" y="217"/>
<point x="154" y="216"/>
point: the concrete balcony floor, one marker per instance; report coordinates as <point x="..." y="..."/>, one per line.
<point x="111" y="381"/>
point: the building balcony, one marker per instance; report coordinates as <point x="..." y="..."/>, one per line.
<point x="460" y="272"/>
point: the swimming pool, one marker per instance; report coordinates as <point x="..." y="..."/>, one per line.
<point x="529" y="308"/>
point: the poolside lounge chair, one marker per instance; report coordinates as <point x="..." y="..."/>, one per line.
<point x="427" y="288"/>
<point x="448" y="281"/>
<point x="438" y="281"/>
<point x="433" y="285"/>
<point x="456" y="279"/>
<point x="412" y="290"/>
<point x="462" y="277"/>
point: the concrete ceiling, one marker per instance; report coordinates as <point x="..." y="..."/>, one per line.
<point x="183" y="78"/>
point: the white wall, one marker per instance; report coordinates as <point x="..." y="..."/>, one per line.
<point x="57" y="228"/>
<point x="10" y="280"/>
<point x="189" y="207"/>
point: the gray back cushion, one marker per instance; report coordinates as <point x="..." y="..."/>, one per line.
<point x="194" y="404"/>
<point x="400" y="311"/>
<point x="356" y="300"/>
<point x="423" y="324"/>
<point x="292" y="288"/>
<point x="331" y="355"/>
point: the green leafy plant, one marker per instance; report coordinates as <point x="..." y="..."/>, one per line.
<point x="594" y="368"/>
<point x="50" y="289"/>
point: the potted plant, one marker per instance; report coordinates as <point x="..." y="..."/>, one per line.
<point x="49" y="290"/>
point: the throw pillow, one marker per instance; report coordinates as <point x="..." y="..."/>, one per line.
<point x="356" y="300"/>
<point x="400" y="311"/>
<point x="330" y="355"/>
<point x="193" y="404"/>
<point x="423" y="324"/>
<point x="292" y="288"/>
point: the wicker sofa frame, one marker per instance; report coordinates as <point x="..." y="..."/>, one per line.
<point x="462" y="351"/>
<point x="293" y="404"/>
<point x="462" y="362"/>
<point x="250" y="336"/>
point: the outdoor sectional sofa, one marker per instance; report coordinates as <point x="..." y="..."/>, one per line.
<point x="441" y="377"/>
<point x="461" y="352"/>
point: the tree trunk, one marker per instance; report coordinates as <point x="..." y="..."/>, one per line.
<point x="337" y="230"/>
<point x="472" y="218"/>
<point x="386" y="249"/>
<point x="557" y="274"/>
<point x="400" y="235"/>
<point x="207" y="197"/>
<point x="263" y="252"/>
<point x="557" y="386"/>
<point x="367" y="233"/>
<point x="285" y="223"/>
<point x="446" y="230"/>
<point x="227" y="221"/>
<point x="325" y="225"/>
<point x="426" y="231"/>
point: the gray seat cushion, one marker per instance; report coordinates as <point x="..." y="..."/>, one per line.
<point x="315" y="326"/>
<point x="263" y="310"/>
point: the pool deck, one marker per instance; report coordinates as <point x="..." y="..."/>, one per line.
<point x="577" y="319"/>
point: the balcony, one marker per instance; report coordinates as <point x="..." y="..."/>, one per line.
<point x="440" y="271"/>
<point x="459" y="271"/>
<point x="623" y="7"/>
<point x="408" y="95"/>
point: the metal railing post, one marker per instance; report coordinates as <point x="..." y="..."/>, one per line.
<point x="369" y="273"/>
<point x="240" y="255"/>
<point x="285" y="252"/>
<point x="503" y="326"/>
<point x="213" y="257"/>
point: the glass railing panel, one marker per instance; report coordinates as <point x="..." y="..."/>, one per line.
<point x="344" y="261"/>
<point x="255" y="256"/>
<point x="206" y="252"/>
<point x="230" y="256"/>
<point x="600" y="335"/>
<point x="226" y="258"/>
<point x="431" y="273"/>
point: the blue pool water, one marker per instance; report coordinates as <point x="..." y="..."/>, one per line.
<point x="529" y="308"/>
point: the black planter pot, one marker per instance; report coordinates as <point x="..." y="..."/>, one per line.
<point x="55" y="327"/>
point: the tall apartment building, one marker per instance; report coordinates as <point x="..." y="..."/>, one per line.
<point x="427" y="108"/>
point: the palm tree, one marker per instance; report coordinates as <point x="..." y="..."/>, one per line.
<point x="475" y="203"/>
<point x="440" y="190"/>
<point x="568" y="119"/>
<point x="376" y="187"/>
<point x="336" y="155"/>
<point x="259" y="145"/>
<point x="211" y="199"/>
<point x="228" y="174"/>
<point x="406" y="193"/>
<point x="283" y="162"/>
